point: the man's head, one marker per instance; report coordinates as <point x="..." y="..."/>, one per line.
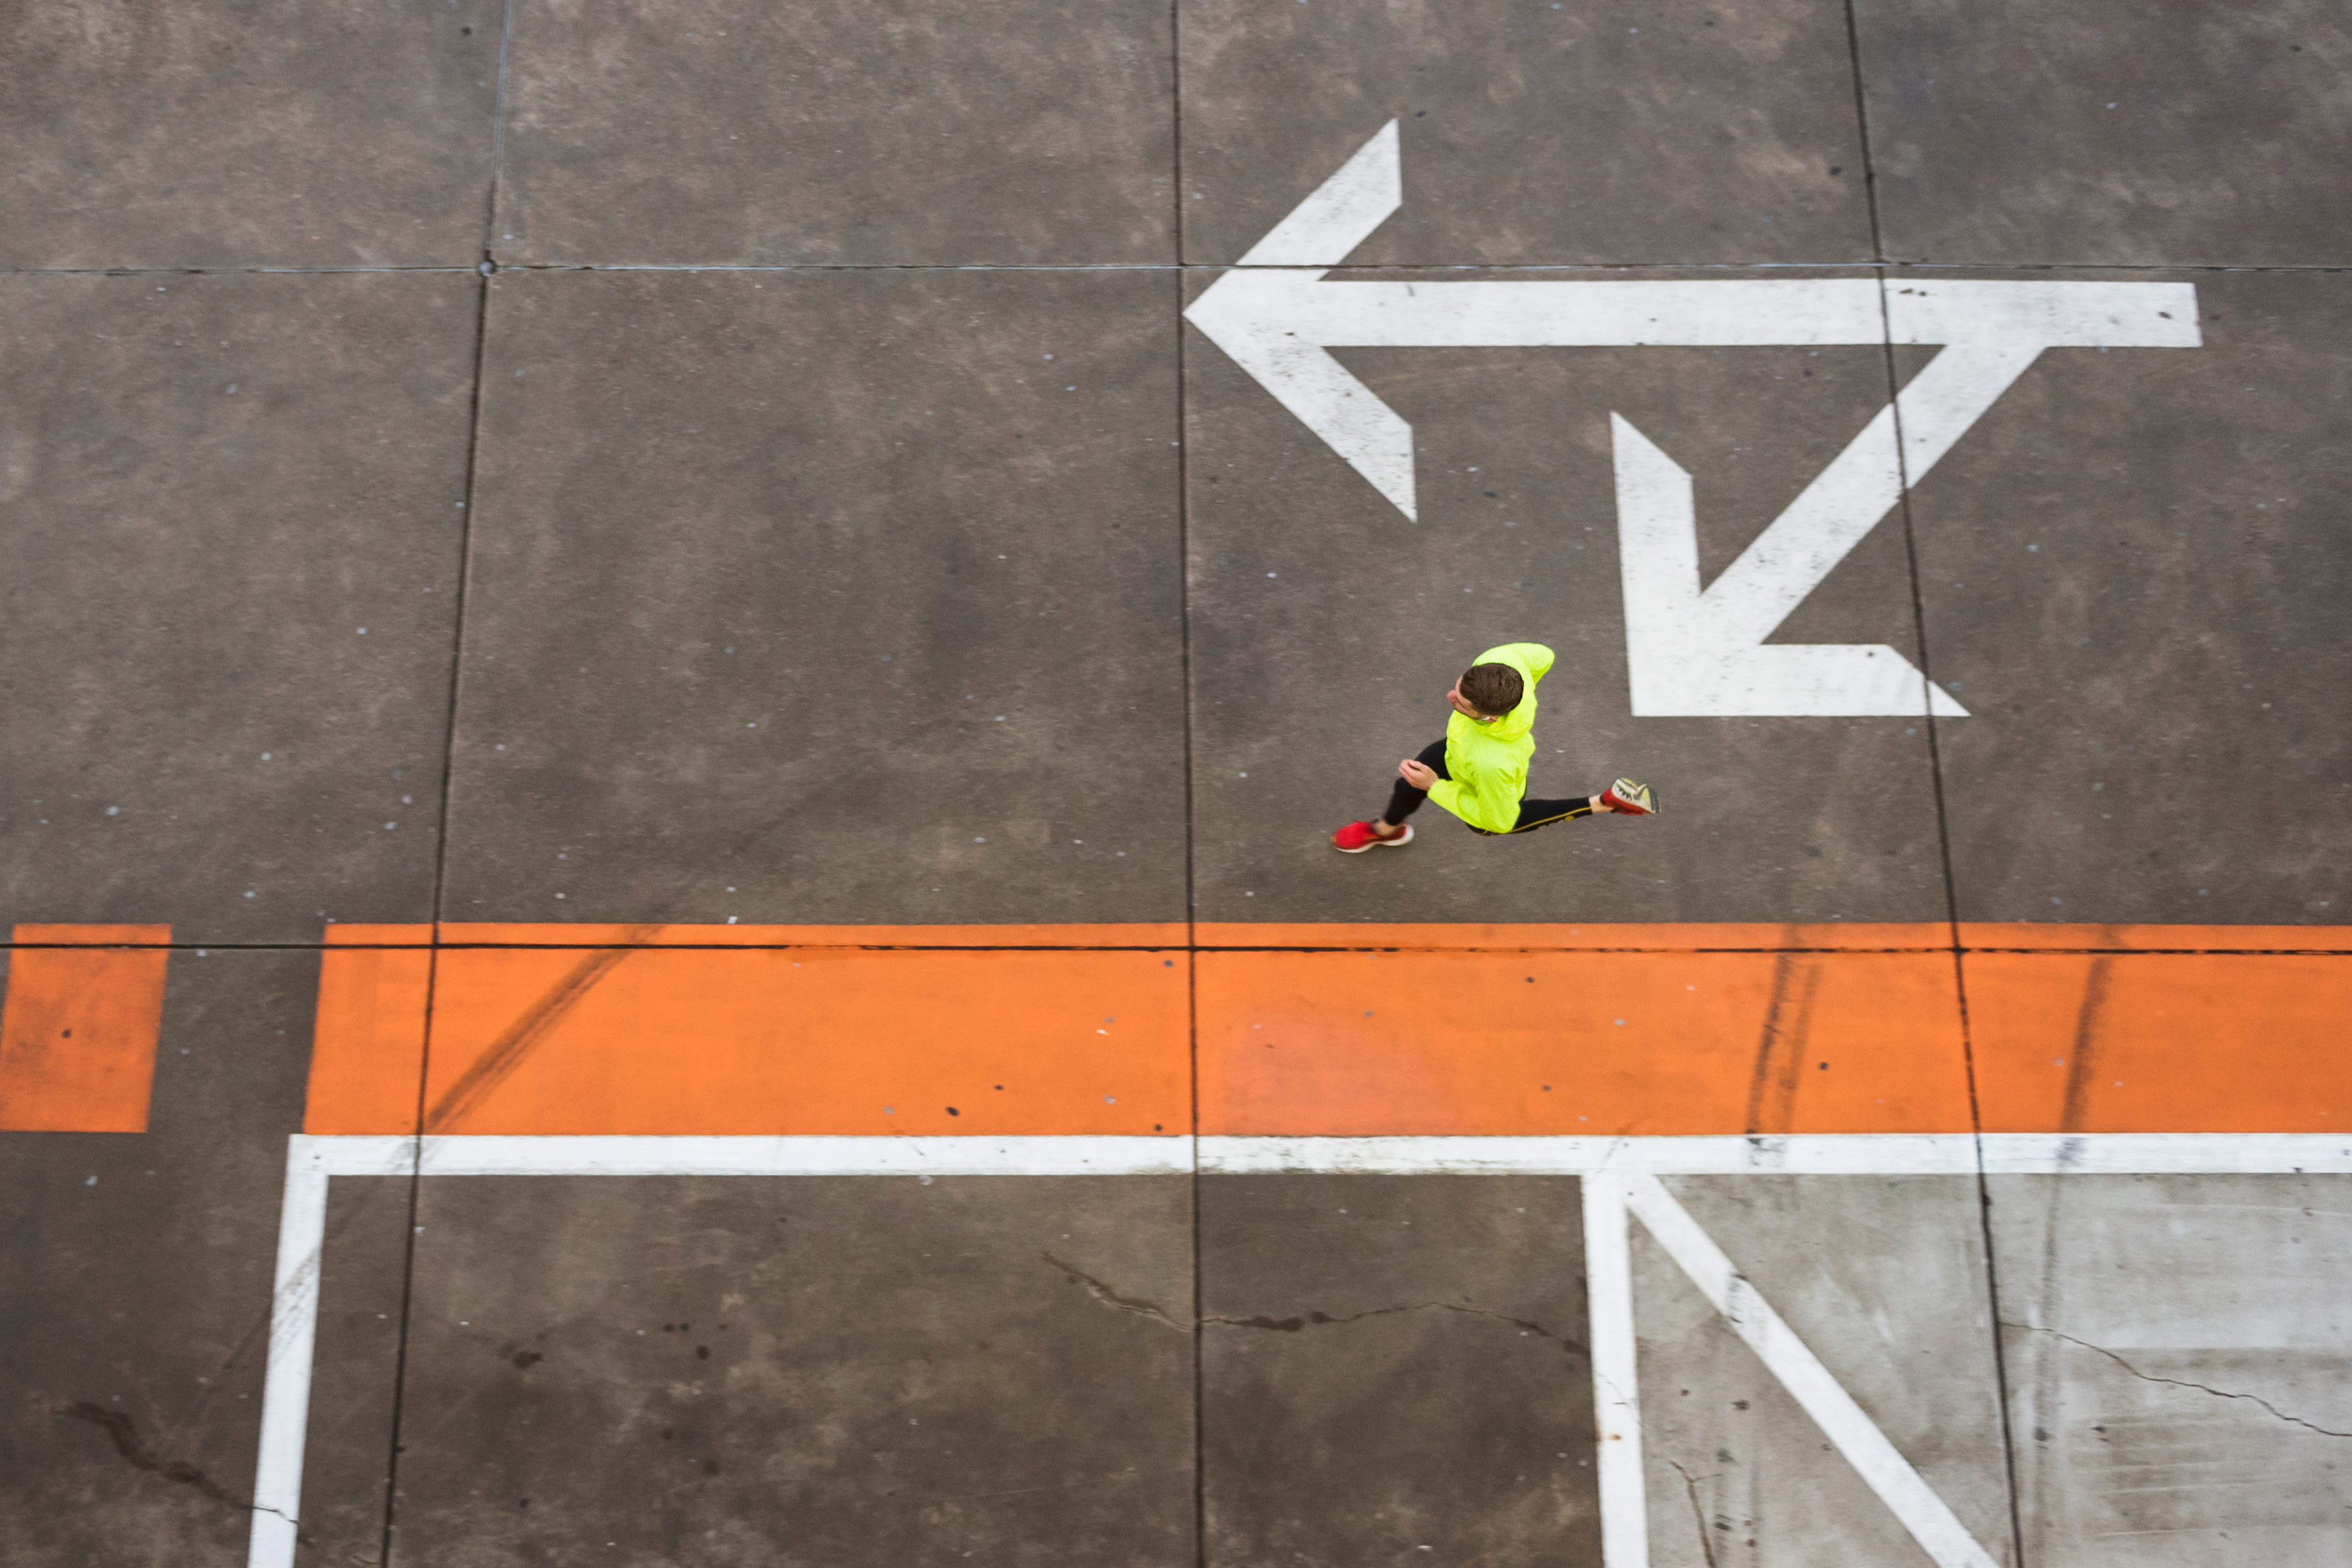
<point x="1486" y="692"/>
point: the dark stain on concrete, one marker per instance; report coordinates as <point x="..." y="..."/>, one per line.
<point x="2080" y="1056"/>
<point x="527" y="1033"/>
<point x="1781" y="1050"/>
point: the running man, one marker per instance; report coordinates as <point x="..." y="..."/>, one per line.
<point x="1479" y="771"/>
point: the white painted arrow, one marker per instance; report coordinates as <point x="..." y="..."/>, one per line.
<point x="1691" y="651"/>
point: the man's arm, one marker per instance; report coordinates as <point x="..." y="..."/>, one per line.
<point x="1473" y="806"/>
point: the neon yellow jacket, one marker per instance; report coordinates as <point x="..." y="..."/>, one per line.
<point x="1489" y="762"/>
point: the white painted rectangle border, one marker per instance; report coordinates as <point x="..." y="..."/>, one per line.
<point x="312" y="1162"/>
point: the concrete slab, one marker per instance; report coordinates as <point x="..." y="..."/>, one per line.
<point x="917" y="132"/>
<point x="824" y="596"/>
<point x="836" y="1368"/>
<point x="135" y="1328"/>
<point x="1395" y="1366"/>
<point x="1533" y="133"/>
<point x="214" y="484"/>
<point x="1884" y="1279"/>
<point x="2100" y="132"/>
<point x="216" y="134"/>
<point x="2179" y="1349"/>
<point x="1327" y="627"/>
<point x="2127" y="571"/>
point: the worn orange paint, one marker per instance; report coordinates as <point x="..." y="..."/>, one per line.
<point x="367" y="1051"/>
<point x="77" y="1030"/>
<point x="1664" y="937"/>
<point x="807" y="1040"/>
<point x="2039" y="936"/>
<point x="2162" y="1042"/>
<point x="1140" y="935"/>
<point x="1344" y="1044"/>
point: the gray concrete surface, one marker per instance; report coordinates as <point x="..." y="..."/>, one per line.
<point x="749" y="1370"/>
<point x="1342" y="1317"/>
<point x="824" y="596"/>
<point x="2109" y="504"/>
<point x="234" y="513"/>
<point x="911" y="132"/>
<point x="138" y="1272"/>
<point x="814" y="454"/>
<point x="222" y="135"/>
<point x="2177" y="1353"/>
<point x="2027" y="132"/>
<point x="1540" y="135"/>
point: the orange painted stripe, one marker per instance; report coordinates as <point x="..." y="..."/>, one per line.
<point x="1345" y="1044"/>
<point x="367" y="1049"/>
<point x="2037" y="935"/>
<point x="2168" y="1042"/>
<point x="77" y="1030"/>
<point x="1648" y="938"/>
<point x="809" y="1040"/>
<point x="1333" y="1029"/>
<point x="1141" y="935"/>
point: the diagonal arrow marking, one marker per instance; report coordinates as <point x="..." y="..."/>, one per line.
<point x="1691" y="652"/>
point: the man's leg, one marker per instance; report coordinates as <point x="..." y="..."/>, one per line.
<point x="1625" y="797"/>
<point x="1535" y="814"/>
<point x="1403" y="799"/>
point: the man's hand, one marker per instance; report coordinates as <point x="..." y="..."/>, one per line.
<point x="1416" y="775"/>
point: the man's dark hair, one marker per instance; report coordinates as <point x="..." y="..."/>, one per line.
<point x="1492" y="689"/>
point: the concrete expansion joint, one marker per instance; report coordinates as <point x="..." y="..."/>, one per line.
<point x="2177" y="1383"/>
<point x="1143" y="1308"/>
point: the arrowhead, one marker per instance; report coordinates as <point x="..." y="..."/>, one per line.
<point x="1246" y="313"/>
<point x="1341" y="214"/>
<point x="1686" y="650"/>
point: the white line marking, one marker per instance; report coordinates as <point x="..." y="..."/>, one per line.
<point x="1847" y="1154"/>
<point x="293" y="1338"/>
<point x="1691" y="653"/>
<point x="1805" y="1154"/>
<point x="1616" y="1397"/>
<point x="1842" y="1421"/>
<point x="2168" y="1154"/>
<point x="808" y="1156"/>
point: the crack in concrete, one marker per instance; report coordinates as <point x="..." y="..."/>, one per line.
<point x="2177" y="1383"/>
<point x="1320" y="1319"/>
<point x="1698" y="1514"/>
<point x="123" y="1433"/>
<point x="1112" y="1299"/>
<point x="1143" y="1308"/>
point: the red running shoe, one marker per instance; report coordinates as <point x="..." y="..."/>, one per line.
<point x="1358" y="837"/>
<point x="1630" y="799"/>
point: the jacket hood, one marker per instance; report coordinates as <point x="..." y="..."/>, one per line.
<point x="1519" y="721"/>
